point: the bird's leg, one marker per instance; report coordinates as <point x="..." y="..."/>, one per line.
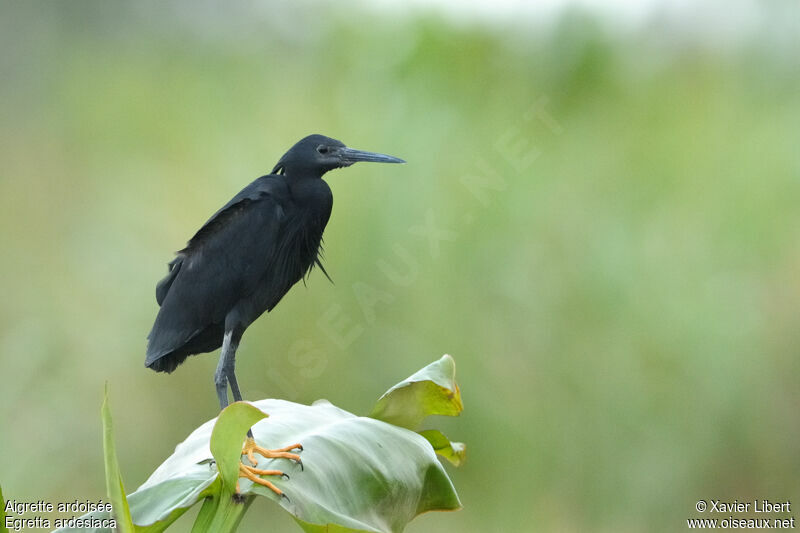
<point x="226" y="374"/>
<point x="227" y="361"/>
<point x="237" y="396"/>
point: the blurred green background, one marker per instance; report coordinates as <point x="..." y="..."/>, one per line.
<point x="599" y="223"/>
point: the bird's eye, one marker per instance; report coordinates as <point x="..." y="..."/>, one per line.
<point x="322" y="149"/>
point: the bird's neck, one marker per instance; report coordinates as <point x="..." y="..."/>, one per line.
<point x="308" y="189"/>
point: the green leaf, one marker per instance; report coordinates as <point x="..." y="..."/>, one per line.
<point x="3" y="528"/>
<point x="169" y="492"/>
<point x="431" y="391"/>
<point x="455" y="452"/>
<point x="360" y="474"/>
<point x="228" y="437"/>
<point x="114" y="487"/>
<point x="156" y="507"/>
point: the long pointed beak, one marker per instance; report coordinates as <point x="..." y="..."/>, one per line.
<point x="350" y="156"/>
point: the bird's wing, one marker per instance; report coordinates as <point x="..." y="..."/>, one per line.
<point x="268" y="185"/>
<point x="222" y="263"/>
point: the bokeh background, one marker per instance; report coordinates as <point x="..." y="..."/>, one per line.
<point x="598" y="219"/>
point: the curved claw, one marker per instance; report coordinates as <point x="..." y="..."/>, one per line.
<point x="300" y="462"/>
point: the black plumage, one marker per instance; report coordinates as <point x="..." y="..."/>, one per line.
<point x="246" y="257"/>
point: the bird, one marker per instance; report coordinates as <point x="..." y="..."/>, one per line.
<point x="242" y="262"/>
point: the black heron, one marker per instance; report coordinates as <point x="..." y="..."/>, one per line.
<point x="242" y="261"/>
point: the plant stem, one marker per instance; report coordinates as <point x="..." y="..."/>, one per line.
<point x="221" y="513"/>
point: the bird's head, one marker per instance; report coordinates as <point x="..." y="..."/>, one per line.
<point x="316" y="154"/>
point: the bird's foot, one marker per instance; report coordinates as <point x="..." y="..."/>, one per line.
<point x="252" y="473"/>
<point x="251" y="448"/>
